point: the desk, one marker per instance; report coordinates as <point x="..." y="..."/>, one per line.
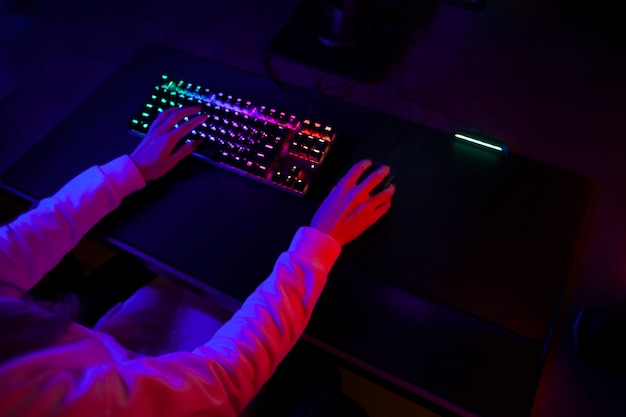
<point x="451" y="297"/>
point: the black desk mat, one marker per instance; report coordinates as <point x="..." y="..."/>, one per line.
<point x="490" y="235"/>
<point x="475" y="232"/>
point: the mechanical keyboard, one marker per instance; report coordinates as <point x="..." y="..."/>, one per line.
<point x="260" y="142"/>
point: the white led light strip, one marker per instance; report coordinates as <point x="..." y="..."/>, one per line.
<point x="478" y="142"/>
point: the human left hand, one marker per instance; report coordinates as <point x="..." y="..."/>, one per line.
<point x="155" y="155"/>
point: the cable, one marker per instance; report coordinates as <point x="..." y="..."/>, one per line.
<point x="403" y="91"/>
<point x="397" y="140"/>
<point x="270" y="72"/>
<point x="324" y="91"/>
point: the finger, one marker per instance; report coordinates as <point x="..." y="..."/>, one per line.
<point x="383" y="196"/>
<point x="370" y="213"/>
<point x="355" y="173"/>
<point x="184" y="129"/>
<point x="374" y="179"/>
<point x="185" y="150"/>
<point x="382" y="209"/>
<point x="366" y="215"/>
<point x="162" y="117"/>
<point x="176" y="117"/>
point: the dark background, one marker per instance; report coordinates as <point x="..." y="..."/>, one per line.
<point x="546" y="77"/>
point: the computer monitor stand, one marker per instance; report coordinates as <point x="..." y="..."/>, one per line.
<point x="365" y="53"/>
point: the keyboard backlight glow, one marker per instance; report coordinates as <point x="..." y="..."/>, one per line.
<point x="478" y="142"/>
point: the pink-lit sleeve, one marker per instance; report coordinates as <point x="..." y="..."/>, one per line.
<point x="36" y="241"/>
<point x="221" y="377"/>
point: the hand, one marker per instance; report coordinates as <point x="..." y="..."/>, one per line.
<point x="155" y="155"/>
<point x="349" y="209"/>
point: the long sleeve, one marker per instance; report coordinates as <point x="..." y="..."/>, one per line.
<point x="36" y="241"/>
<point x="217" y="379"/>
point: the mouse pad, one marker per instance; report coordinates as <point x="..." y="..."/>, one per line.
<point x="489" y="234"/>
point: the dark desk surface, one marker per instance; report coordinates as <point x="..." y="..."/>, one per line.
<point x="450" y="296"/>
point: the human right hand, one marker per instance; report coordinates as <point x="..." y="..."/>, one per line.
<point x="349" y="210"/>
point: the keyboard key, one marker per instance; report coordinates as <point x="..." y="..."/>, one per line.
<point x="289" y="180"/>
<point x="315" y="155"/>
<point x="294" y="170"/>
<point x="278" y="177"/>
<point x="299" y="185"/>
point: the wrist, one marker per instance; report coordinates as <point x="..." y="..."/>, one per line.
<point x="138" y="167"/>
<point x="124" y="174"/>
<point x="325" y="231"/>
<point x="312" y="242"/>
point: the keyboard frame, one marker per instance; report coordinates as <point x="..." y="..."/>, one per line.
<point x="300" y="142"/>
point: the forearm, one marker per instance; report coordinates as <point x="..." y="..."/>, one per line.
<point x="36" y="241"/>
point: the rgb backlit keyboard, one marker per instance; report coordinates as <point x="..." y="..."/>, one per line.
<point x="260" y="142"/>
